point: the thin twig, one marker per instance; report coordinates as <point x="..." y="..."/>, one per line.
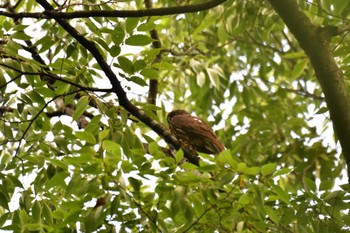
<point x="55" y="77"/>
<point x="36" y="117"/>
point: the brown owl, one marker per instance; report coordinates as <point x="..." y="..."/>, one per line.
<point x="194" y="132"/>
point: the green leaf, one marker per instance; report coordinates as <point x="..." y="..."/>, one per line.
<point x="17" y="218"/>
<point x="2" y="82"/>
<point x="130" y="24"/>
<point x="152" y="147"/>
<point x="326" y="185"/>
<point x="322" y="110"/>
<point x="47" y="214"/>
<point x="86" y="136"/>
<point x="6" y="24"/>
<point x="136" y="184"/>
<point x="92" y="220"/>
<point x="200" y="79"/>
<point x="94" y="125"/>
<point x="197" y="206"/>
<point x="4" y="201"/>
<point x="58" y="163"/>
<point x="73" y="214"/>
<point x="85" y="157"/>
<point x="145" y="27"/>
<point x="273" y="214"/>
<point x="46" y="44"/>
<point x="206" y="22"/>
<point x="115" y="50"/>
<point x="138" y="80"/>
<point x="125" y="64"/>
<point x="103" y="134"/>
<point x="150" y="73"/>
<point x="225" y="158"/>
<point x="294" y="55"/>
<point x="282" y="195"/>
<point x="71" y="49"/>
<point x="81" y="106"/>
<point x="118" y="35"/>
<point x="299" y="69"/>
<point x="246" y="97"/>
<point x="45" y="92"/>
<point x="189" y="166"/>
<point x="340" y="6"/>
<point x="36" y="212"/>
<point x="268" y="169"/>
<point x="214" y="77"/>
<point x="138" y="40"/>
<point x="36" y="98"/>
<point x="227" y="178"/>
<point x="337" y="194"/>
<point x="282" y="171"/>
<point x="62" y="87"/>
<point x="33" y="227"/>
<point x="310" y="184"/>
<point x="242" y="168"/>
<point x="188" y="209"/>
<point x="15" y="181"/>
<point x="207" y="168"/>
<point x="179" y="156"/>
<point x="127" y="167"/>
<point x="139" y="65"/>
<point x="20" y="35"/>
<point x="57" y="180"/>
<point x="20" y="27"/>
<point x="245" y="199"/>
<point x="222" y="34"/>
<point x="4" y="217"/>
<point x="110" y="145"/>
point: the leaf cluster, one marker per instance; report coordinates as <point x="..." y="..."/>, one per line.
<point x="80" y="162"/>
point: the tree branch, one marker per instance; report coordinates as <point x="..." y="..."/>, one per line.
<point x="159" y="128"/>
<point x="53" y="14"/>
<point x="153" y="83"/>
<point x="54" y="77"/>
<point x="315" y="41"/>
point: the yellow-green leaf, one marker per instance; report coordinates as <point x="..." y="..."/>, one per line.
<point x="86" y="136"/>
<point x="81" y="107"/>
<point x="299" y="68"/>
<point x="268" y="169"/>
<point x="214" y="77"/>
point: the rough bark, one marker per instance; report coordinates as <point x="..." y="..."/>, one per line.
<point x="315" y="41"/>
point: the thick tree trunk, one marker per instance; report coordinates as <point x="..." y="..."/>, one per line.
<point x="314" y="41"/>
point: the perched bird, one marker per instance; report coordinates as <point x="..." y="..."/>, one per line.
<point x="194" y="132"/>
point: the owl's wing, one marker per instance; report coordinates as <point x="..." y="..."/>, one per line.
<point x="210" y="143"/>
<point x="199" y="133"/>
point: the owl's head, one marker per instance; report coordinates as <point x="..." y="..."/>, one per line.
<point x="175" y="113"/>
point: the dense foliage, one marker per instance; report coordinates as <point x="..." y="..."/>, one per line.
<point x="73" y="159"/>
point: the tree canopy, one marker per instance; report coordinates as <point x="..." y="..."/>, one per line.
<point x="85" y="88"/>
